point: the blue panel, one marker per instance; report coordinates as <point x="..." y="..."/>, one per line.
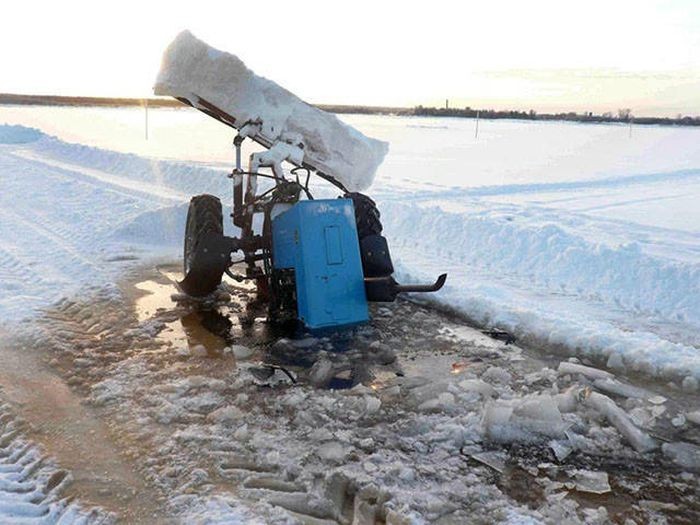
<point x="318" y="238"/>
<point x="334" y="246"/>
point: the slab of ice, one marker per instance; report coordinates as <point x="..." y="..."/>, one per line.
<point x="566" y="367"/>
<point x="494" y="459"/>
<point x="612" y="386"/>
<point x="592" y="481"/>
<point x="561" y="449"/>
<point x="684" y="454"/>
<point x="641" y="441"/>
<point x="526" y="419"/>
<point x="693" y="417"/>
<point x="478" y="386"/>
<point x="193" y="70"/>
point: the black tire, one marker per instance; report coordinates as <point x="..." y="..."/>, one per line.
<point x="203" y="216"/>
<point x="367" y="216"/>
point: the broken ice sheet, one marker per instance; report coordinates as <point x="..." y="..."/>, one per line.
<point x="526" y="419"/>
<point x="477" y="385"/>
<point x="615" y="387"/>
<point x="693" y="417"/>
<point x="561" y="449"/>
<point x="687" y="455"/>
<point x="495" y="459"/>
<point x="566" y="367"/>
<point x="657" y="400"/>
<point x="617" y="417"/>
<point x="591" y="481"/>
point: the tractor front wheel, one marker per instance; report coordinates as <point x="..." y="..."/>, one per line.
<point x="203" y="216"/>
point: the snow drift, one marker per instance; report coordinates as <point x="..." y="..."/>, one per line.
<point x="193" y="70"/>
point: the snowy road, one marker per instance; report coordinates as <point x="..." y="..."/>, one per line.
<point x="621" y="294"/>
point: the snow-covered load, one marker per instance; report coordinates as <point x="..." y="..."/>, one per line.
<point x="193" y="70"/>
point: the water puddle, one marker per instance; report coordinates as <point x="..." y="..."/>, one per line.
<point x="207" y="329"/>
<point x="203" y="331"/>
<point x="200" y="328"/>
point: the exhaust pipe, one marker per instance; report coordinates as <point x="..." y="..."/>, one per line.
<point x="385" y="289"/>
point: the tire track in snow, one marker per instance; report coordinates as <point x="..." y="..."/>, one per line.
<point x="31" y="486"/>
<point x="57" y="238"/>
<point x="60" y="238"/>
<point x="547" y="187"/>
<point x="106" y="179"/>
<point x="70" y="433"/>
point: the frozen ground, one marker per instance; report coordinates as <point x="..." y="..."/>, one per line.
<point x="420" y="419"/>
<point x="599" y="260"/>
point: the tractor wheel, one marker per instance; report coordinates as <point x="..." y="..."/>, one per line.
<point x="367" y="216"/>
<point x="203" y="216"/>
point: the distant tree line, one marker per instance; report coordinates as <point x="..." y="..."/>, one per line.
<point x="622" y="115"/>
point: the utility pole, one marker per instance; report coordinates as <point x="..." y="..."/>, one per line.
<point x="447" y="103"/>
<point x="146" y="117"/>
<point x="476" y="129"/>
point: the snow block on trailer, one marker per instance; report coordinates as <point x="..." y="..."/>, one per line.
<point x="193" y="70"/>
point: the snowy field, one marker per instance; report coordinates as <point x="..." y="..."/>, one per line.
<point x="581" y="237"/>
<point x="582" y="240"/>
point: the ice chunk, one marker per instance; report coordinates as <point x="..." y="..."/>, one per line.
<point x="364" y="512"/>
<point x="561" y="449"/>
<point x="332" y="451"/>
<point x="615" y="362"/>
<point x="612" y="386"/>
<point x="496" y="374"/>
<point x="272" y="483"/>
<point x="191" y="69"/>
<point x="690" y="384"/>
<point x="678" y="421"/>
<point x="526" y="419"/>
<point x="241" y="352"/>
<point x="568" y="401"/>
<point x="588" y="371"/>
<point x="617" y="417"/>
<point x="684" y="454"/>
<point x="443" y="401"/>
<point x="693" y="417"/>
<point x="591" y="481"/>
<point x="322" y="372"/>
<point x="226" y="415"/>
<point x="657" y="400"/>
<point x="479" y="386"/>
<point x="372" y="404"/>
<point x="494" y="458"/>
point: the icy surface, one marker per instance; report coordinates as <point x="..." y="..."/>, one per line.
<point x="193" y="70"/>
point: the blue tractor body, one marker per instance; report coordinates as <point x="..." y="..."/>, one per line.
<point x="317" y="239"/>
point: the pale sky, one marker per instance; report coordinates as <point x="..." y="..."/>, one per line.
<point x="546" y="55"/>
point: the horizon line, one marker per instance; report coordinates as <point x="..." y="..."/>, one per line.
<point x="165" y="102"/>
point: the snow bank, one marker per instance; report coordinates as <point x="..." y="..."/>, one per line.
<point x="191" y="69"/>
<point x="553" y="287"/>
<point x="552" y="258"/>
<point x="18" y="134"/>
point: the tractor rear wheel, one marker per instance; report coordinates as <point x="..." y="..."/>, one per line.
<point x="203" y="216"/>
<point x="367" y="216"/>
